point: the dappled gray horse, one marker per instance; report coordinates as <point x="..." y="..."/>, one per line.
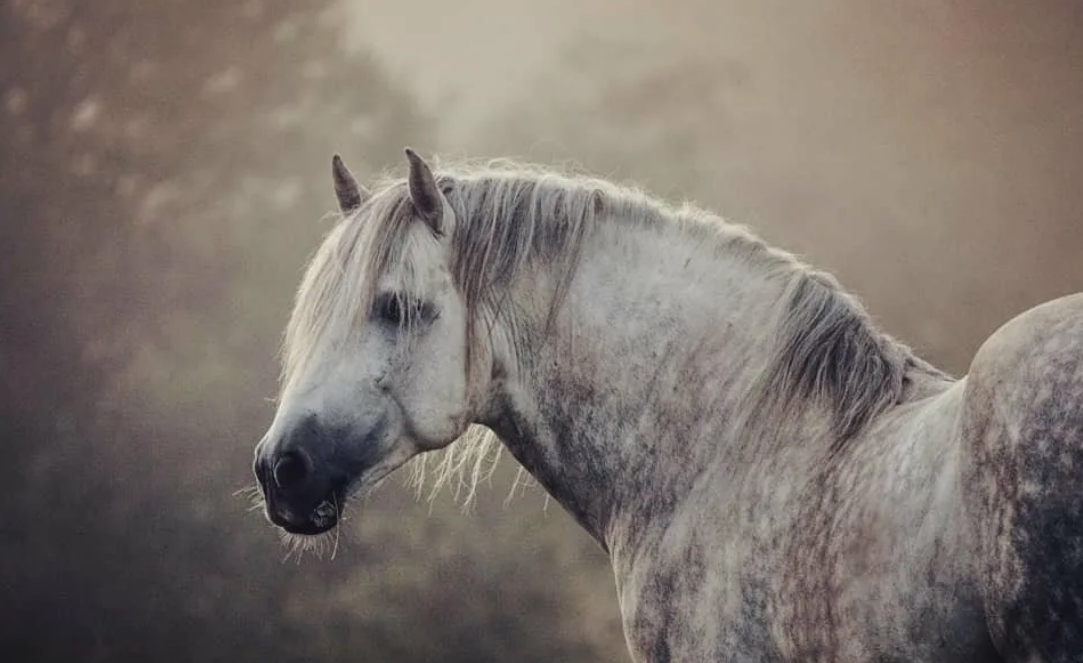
<point x="773" y="477"/>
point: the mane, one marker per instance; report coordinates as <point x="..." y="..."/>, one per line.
<point x="512" y="218"/>
<point x="830" y="352"/>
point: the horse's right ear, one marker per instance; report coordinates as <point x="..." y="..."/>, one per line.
<point x="350" y="194"/>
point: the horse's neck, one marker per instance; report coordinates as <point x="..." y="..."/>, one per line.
<point x="635" y="391"/>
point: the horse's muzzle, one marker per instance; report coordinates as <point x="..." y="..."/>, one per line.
<point x="322" y="518"/>
<point x="299" y="495"/>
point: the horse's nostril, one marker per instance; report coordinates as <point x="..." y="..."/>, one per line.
<point x="291" y="470"/>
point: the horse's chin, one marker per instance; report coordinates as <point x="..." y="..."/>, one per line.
<point x="311" y="527"/>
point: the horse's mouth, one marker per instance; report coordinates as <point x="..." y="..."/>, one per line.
<point x="323" y="518"/>
<point x="295" y="514"/>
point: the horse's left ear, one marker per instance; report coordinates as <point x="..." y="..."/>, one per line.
<point x="350" y="194"/>
<point x="425" y="195"/>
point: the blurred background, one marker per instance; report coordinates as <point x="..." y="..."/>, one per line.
<point x="165" y="175"/>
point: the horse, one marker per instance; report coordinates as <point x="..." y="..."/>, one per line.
<point x="773" y="477"/>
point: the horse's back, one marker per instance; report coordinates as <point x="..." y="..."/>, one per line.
<point x="1056" y="325"/>
<point x="1023" y="481"/>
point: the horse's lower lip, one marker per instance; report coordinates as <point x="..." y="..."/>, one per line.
<point x="310" y="528"/>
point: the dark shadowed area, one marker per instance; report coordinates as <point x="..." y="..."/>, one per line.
<point x="165" y="175"/>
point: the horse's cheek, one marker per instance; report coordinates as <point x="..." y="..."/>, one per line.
<point x="438" y="392"/>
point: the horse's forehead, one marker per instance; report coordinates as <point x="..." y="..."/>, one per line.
<point x="421" y="258"/>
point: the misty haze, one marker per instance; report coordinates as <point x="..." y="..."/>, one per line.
<point x="165" y="178"/>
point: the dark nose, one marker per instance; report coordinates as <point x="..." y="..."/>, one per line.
<point x="292" y="470"/>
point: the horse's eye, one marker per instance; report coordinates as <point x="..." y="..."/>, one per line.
<point x="388" y="308"/>
<point x="395" y="310"/>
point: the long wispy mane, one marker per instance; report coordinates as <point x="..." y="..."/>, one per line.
<point x="512" y="217"/>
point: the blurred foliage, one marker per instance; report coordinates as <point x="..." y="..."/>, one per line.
<point x="165" y="165"/>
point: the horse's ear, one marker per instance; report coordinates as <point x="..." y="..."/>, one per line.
<point x="350" y="194"/>
<point x="425" y="195"/>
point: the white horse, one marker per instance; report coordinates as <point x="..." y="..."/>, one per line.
<point x="773" y="477"/>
